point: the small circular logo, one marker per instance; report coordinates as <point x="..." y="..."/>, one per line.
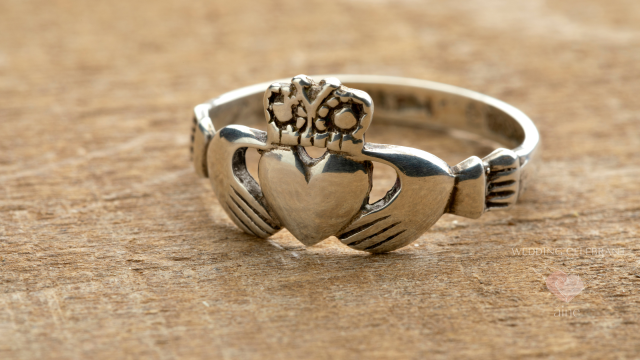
<point x="564" y="287"/>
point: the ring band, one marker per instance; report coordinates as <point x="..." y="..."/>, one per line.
<point x="318" y="198"/>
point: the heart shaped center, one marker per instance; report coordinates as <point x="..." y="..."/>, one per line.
<point x="313" y="198"/>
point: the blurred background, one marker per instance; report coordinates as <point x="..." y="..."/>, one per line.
<point x="84" y="62"/>
<point x="112" y="248"/>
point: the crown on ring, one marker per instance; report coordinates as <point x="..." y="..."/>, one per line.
<point x="325" y="114"/>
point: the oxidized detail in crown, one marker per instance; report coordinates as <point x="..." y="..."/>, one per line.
<point x="325" y="114"/>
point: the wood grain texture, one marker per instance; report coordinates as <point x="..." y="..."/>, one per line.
<point x="111" y="248"/>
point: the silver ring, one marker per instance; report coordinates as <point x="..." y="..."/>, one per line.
<point x="318" y="198"/>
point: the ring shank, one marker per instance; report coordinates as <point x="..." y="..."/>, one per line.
<point x="397" y="100"/>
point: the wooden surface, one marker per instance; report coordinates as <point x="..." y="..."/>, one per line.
<point x="111" y="248"/>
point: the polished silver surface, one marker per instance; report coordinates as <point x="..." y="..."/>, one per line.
<point x="318" y="198"/>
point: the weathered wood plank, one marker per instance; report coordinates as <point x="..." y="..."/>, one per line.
<point x="110" y="247"/>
